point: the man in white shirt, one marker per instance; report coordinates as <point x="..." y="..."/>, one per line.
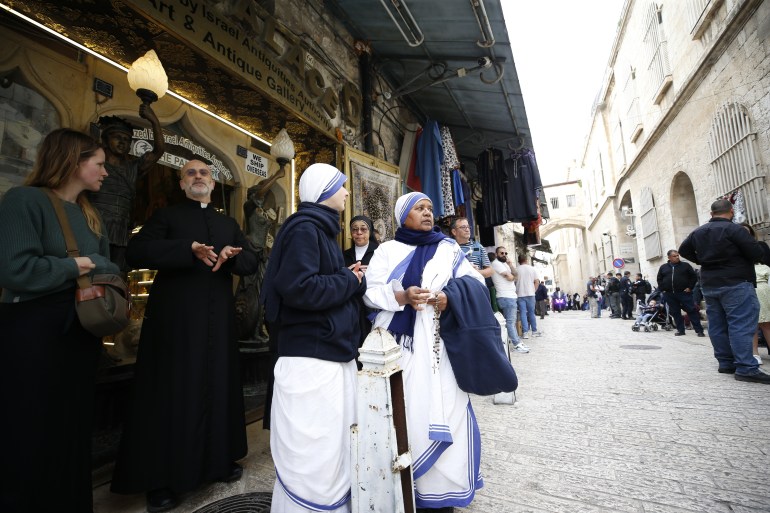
<point x="525" y="287"/>
<point x="504" y="277"/>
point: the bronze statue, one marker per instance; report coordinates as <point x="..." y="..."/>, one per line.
<point x="249" y="313"/>
<point x="115" y="200"/>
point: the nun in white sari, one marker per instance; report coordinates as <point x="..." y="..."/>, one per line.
<point x="311" y="304"/>
<point x="404" y="282"/>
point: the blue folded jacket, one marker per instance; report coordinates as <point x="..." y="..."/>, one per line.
<point x="472" y="337"/>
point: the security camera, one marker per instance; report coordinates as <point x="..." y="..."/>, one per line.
<point x="485" y="62"/>
<point x="605" y="234"/>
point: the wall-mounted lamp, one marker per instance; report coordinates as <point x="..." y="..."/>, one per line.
<point x="148" y="78"/>
<point x="282" y="150"/>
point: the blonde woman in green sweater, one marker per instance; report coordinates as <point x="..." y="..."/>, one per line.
<point x="47" y="360"/>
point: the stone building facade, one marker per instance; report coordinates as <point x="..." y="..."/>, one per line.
<point x="682" y="118"/>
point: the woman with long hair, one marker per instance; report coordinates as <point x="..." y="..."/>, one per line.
<point x="47" y="359"/>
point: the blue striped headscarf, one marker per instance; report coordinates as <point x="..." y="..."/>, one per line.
<point x="405" y="203"/>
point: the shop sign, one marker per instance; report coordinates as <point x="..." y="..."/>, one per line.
<point x="256" y="164"/>
<point x="626" y="248"/>
<point x="179" y="151"/>
<point x="267" y="57"/>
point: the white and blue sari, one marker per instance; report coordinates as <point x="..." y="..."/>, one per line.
<point x="443" y="432"/>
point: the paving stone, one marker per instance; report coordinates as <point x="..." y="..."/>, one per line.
<point x="596" y="429"/>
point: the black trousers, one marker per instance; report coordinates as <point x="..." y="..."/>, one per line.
<point x="626" y="305"/>
<point x="47" y="373"/>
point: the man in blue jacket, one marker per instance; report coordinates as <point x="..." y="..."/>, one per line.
<point x="677" y="280"/>
<point x="726" y="253"/>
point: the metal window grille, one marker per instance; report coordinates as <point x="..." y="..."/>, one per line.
<point x="658" y="67"/>
<point x="695" y="10"/>
<point x="571" y="200"/>
<point x="633" y="114"/>
<point x="701" y="13"/>
<point x="620" y="149"/>
<point x="554" y="203"/>
<point x="731" y="146"/>
<point x="649" y="221"/>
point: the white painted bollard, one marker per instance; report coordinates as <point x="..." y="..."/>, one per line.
<point x="382" y="462"/>
<point x="504" y="397"/>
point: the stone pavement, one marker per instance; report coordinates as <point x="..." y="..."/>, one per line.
<point x="607" y="420"/>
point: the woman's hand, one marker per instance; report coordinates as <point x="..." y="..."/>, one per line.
<point x="85" y="265"/>
<point x="357" y="270"/>
<point x="415" y="296"/>
<point x="440" y="301"/>
<point x="361" y="267"/>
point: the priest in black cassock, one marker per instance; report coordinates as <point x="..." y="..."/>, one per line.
<point x="186" y="426"/>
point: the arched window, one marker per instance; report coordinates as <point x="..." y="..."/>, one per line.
<point x="25" y="117"/>
<point x="735" y="164"/>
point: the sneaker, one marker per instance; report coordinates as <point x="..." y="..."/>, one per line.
<point x="757" y="377"/>
<point x="525" y="336"/>
<point x="537" y="333"/>
<point x="758" y="359"/>
<point x="521" y="348"/>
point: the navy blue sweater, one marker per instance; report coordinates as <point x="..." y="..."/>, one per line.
<point x="309" y="294"/>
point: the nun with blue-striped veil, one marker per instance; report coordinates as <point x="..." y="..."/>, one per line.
<point x="407" y="282"/>
<point x="311" y="305"/>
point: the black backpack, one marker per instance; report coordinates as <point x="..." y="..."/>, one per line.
<point x="647" y="287"/>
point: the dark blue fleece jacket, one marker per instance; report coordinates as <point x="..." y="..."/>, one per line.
<point x="308" y="293"/>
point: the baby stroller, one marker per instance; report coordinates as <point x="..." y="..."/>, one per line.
<point x="652" y="318"/>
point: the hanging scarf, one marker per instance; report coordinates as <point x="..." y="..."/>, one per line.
<point x="402" y="324"/>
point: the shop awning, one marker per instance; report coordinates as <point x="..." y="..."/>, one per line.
<point x="483" y="108"/>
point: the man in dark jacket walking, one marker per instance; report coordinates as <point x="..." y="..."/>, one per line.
<point x="726" y="253"/>
<point x="677" y="279"/>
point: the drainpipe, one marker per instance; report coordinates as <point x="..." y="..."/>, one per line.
<point x="367" y="93"/>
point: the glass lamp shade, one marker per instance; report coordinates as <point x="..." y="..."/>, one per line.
<point x="282" y="148"/>
<point x="147" y="74"/>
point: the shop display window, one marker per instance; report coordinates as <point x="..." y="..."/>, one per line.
<point x="25" y="117"/>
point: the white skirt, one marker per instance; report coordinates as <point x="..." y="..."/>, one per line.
<point x="314" y="405"/>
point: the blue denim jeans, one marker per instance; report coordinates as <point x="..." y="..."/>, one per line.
<point x="678" y="301"/>
<point x="510" y="309"/>
<point x="527" y="313"/>
<point x="733" y="313"/>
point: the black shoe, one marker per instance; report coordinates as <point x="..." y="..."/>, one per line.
<point x="757" y="377"/>
<point x="726" y="370"/>
<point x="701" y="334"/>
<point x="236" y="471"/>
<point x="162" y="499"/>
<point x="679" y="333"/>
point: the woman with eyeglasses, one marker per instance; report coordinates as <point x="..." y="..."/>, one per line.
<point x="364" y="244"/>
